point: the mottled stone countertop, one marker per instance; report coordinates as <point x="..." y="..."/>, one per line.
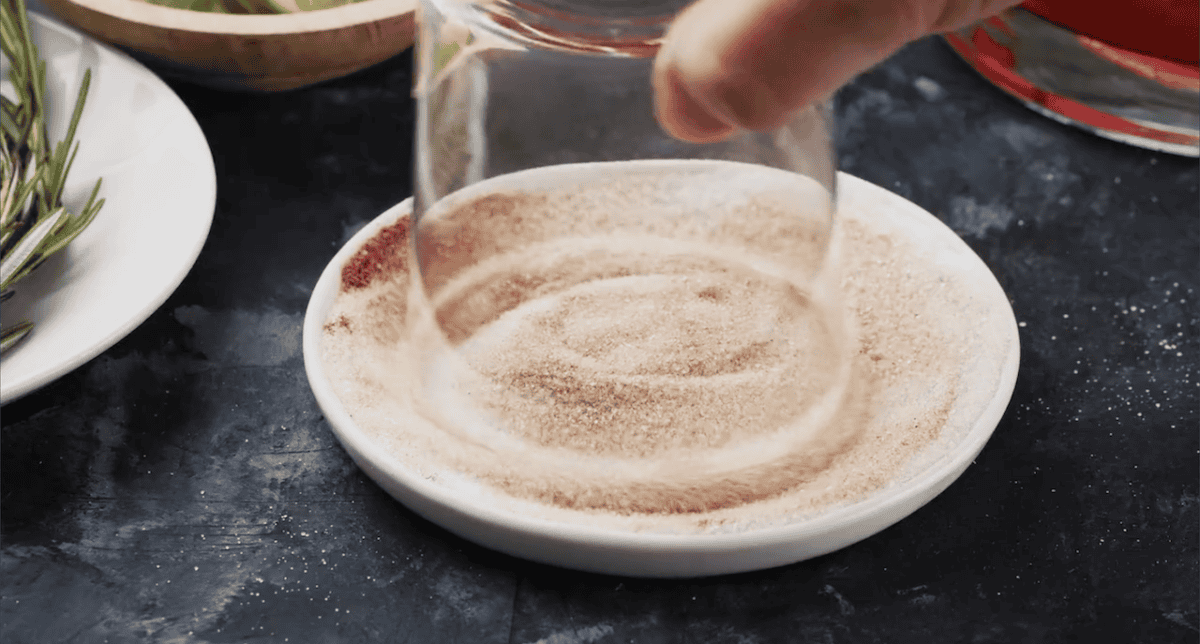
<point x="184" y="487"/>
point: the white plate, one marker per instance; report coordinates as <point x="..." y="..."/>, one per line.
<point x="984" y="380"/>
<point x="159" y="190"/>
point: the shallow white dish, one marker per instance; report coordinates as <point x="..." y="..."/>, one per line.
<point x="986" y="380"/>
<point x="159" y="190"/>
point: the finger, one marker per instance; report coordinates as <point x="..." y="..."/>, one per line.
<point x="750" y="63"/>
<point x="682" y="116"/>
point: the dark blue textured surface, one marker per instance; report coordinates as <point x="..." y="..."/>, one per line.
<point x="184" y="487"/>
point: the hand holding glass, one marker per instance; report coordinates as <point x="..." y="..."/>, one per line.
<point x="590" y="289"/>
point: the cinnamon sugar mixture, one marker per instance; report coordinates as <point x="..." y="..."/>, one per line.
<point x="641" y="388"/>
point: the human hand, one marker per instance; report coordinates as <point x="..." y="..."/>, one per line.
<point x="728" y="64"/>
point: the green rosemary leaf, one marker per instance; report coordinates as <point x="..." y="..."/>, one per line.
<point x="76" y="225"/>
<point x="13" y="334"/>
<point x="18" y="261"/>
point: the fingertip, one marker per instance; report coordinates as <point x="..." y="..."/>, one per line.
<point x="681" y="115"/>
<point x="713" y="58"/>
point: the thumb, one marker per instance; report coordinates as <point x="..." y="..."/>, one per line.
<point x="749" y="63"/>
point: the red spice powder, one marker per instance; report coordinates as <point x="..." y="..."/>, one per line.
<point x="385" y="254"/>
<point x="342" y="322"/>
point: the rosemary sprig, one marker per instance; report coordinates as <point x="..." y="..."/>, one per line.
<point x="34" y="223"/>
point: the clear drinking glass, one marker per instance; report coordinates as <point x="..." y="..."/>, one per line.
<point x="590" y="287"/>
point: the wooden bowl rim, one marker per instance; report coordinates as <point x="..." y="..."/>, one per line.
<point x="141" y="12"/>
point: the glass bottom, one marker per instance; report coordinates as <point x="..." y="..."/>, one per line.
<point x="1115" y="93"/>
<point x="649" y="315"/>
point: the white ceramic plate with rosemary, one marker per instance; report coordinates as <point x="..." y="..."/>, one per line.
<point x="159" y="187"/>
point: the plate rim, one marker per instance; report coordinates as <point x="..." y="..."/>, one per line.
<point x="688" y="555"/>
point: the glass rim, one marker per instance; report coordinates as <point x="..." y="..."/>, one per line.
<point x="552" y="24"/>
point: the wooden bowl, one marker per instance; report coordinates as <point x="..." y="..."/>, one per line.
<point x="248" y="52"/>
